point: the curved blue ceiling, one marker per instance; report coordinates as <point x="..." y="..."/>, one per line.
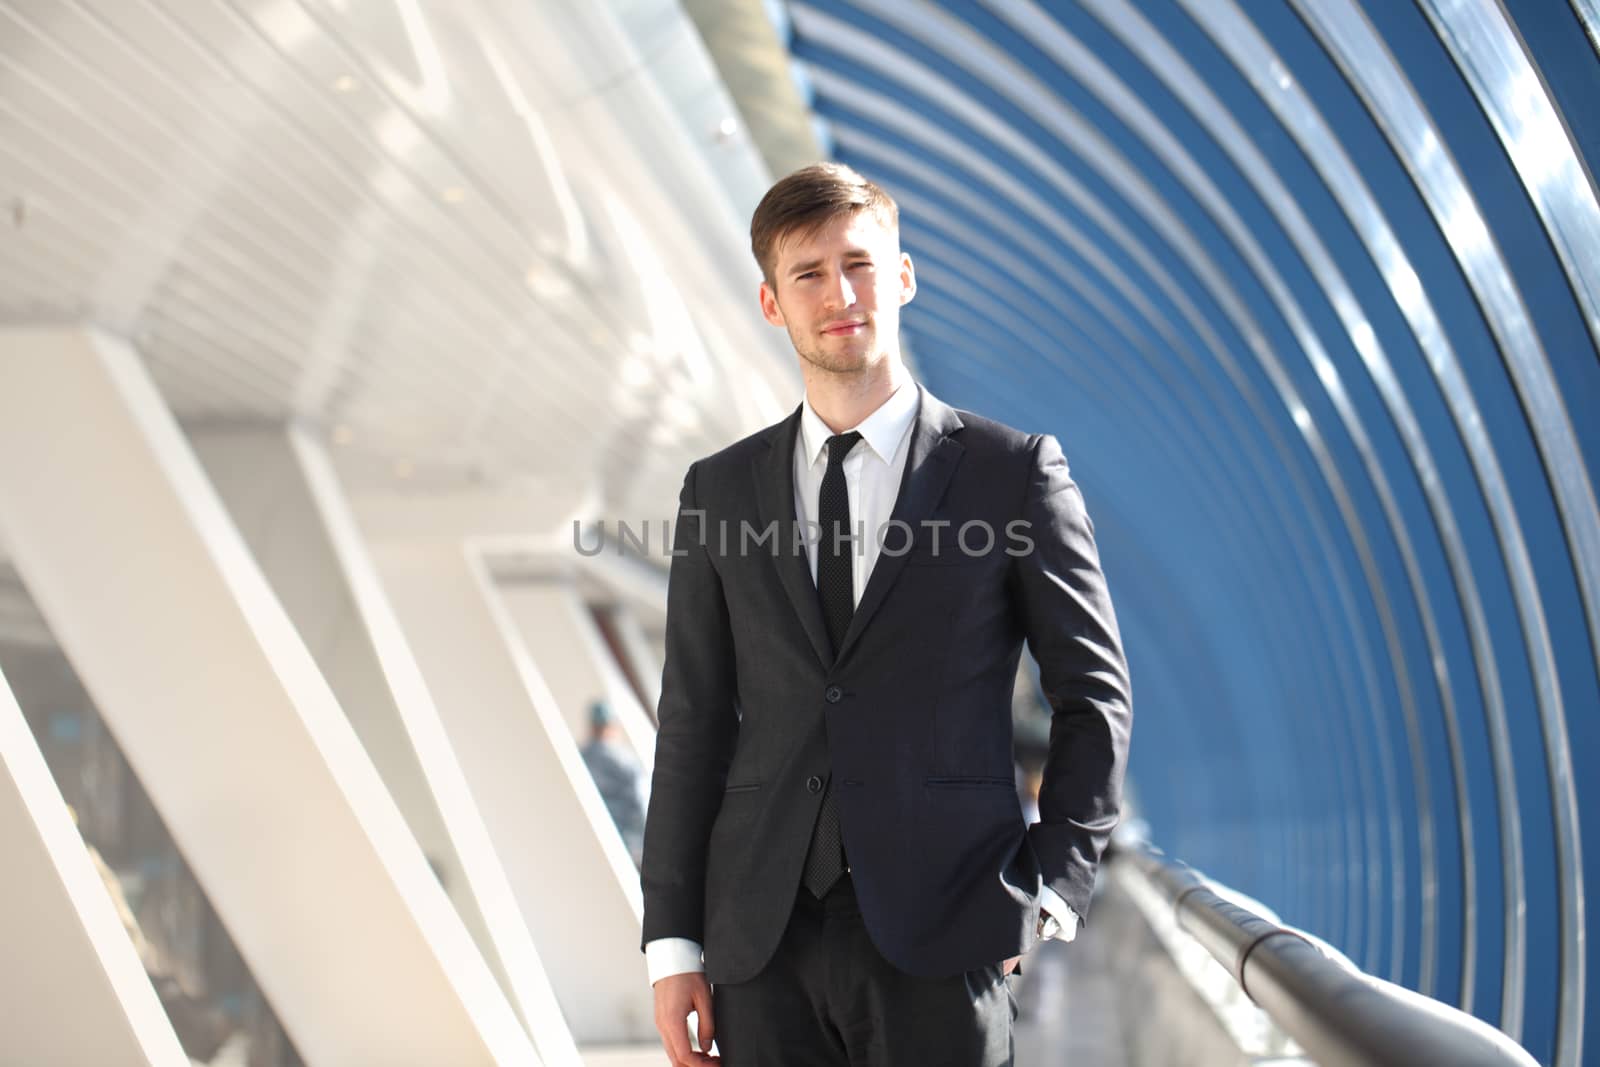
<point x="1310" y="292"/>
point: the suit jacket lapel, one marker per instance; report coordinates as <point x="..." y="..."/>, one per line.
<point x="933" y="459"/>
<point x="774" y="472"/>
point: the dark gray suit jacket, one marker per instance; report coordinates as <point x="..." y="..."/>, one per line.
<point x="910" y="722"/>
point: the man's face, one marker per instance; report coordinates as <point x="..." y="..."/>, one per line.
<point x="839" y="293"/>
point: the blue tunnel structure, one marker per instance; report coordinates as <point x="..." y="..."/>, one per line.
<point x="1310" y="292"/>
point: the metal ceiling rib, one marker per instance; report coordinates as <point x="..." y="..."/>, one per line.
<point x="1112" y="198"/>
<point x="1487" y="49"/>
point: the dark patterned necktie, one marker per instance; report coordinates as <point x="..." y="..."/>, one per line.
<point x="836" y="590"/>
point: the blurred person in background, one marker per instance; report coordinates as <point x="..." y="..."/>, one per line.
<point x="837" y="869"/>
<point x="617" y="773"/>
<point x="201" y="1028"/>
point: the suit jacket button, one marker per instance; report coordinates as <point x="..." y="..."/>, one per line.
<point x="814" y="784"/>
<point x="834" y="694"/>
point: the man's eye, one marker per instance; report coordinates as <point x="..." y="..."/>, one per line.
<point x="863" y="263"/>
<point x="807" y="274"/>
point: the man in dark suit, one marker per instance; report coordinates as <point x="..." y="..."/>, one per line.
<point x="836" y="868"/>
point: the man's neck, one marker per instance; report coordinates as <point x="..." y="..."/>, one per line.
<point x="843" y="400"/>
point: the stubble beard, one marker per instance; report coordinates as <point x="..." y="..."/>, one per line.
<point x="849" y="362"/>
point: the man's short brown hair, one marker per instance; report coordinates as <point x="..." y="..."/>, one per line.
<point x="807" y="201"/>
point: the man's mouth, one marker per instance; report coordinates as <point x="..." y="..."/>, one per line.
<point x="845" y="329"/>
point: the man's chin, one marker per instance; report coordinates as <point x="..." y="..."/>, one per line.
<point x="847" y="360"/>
<point x="843" y="367"/>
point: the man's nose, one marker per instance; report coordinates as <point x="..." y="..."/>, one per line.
<point x="841" y="294"/>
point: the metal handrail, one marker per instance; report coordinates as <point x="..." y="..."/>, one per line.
<point x="1338" y="1014"/>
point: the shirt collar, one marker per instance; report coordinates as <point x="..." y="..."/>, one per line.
<point x="883" y="430"/>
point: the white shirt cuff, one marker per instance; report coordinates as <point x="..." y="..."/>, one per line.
<point x="1050" y="903"/>
<point x="667" y="956"/>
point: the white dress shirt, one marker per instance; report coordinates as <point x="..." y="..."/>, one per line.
<point x="872" y="475"/>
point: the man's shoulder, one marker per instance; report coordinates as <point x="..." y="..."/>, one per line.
<point x="993" y="437"/>
<point x="738" y="455"/>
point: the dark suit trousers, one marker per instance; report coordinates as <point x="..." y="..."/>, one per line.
<point x="827" y="998"/>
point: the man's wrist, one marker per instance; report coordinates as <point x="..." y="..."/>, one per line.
<point x="1057" y="920"/>
<point x="667" y="956"/>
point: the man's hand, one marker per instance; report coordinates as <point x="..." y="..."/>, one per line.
<point x="1005" y="968"/>
<point x="676" y="996"/>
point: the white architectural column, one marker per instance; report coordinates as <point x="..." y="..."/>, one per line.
<point x="72" y="989"/>
<point x="225" y="718"/>
<point x="640" y="653"/>
<point x="286" y="499"/>
<point x="574" y="880"/>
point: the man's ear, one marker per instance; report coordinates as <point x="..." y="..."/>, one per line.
<point x="908" y="279"/>
<point x="769" y="305"/>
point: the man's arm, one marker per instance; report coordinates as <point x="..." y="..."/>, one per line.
<point x="1072" y="632"/>
<point x="695" y="739"/>
<point x="697" y="729"/>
